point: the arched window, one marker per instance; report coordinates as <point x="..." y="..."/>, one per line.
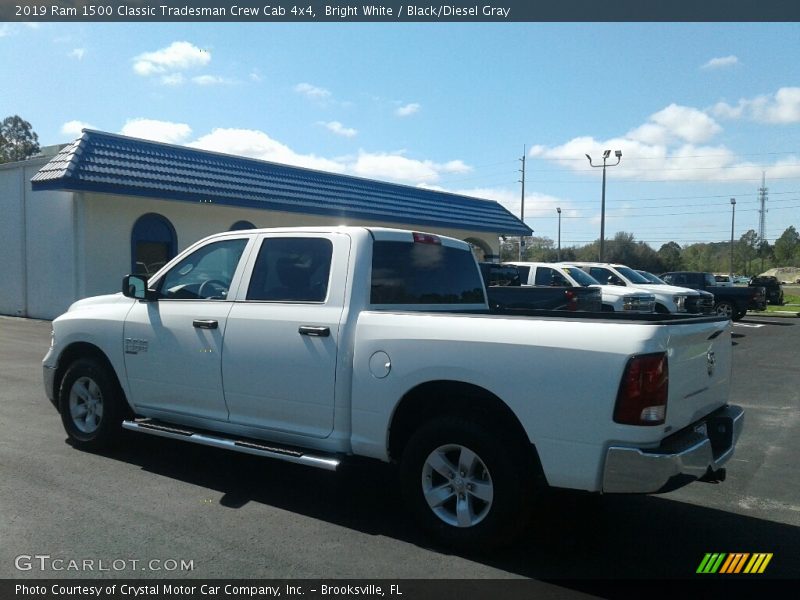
<point x="153" y="244"/>
<point x="241" y="225"/>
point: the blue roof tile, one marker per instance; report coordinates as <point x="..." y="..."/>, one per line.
<point x="114" y="164"/>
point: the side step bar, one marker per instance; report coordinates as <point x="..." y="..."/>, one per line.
<point x="293" y="455"/>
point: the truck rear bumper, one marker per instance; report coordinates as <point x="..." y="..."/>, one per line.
<point x="692" y="453"/>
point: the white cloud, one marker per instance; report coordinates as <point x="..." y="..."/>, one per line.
<point x="178" y="56"/>
<point x="407" y="109"/>
<point x="312" y="91"/>
<point x="173" y="79"/>
<point x="257" y="144"/>
<point x="73" y="128"/>
<point x="780" y="108"/>
<point x="721" y="62"/>
<point x="158" y="131"/>
<point x="396" y="167"/>
<point x="77" y="53"/>
<point x="339" y="129"/>
<point x="686" y="123"/>
<point x="255" y="76"/>
<point x="212" y="80"/>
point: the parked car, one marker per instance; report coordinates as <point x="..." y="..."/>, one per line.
<point x="724" y="280"/>
<point x="614" y="298"/>
<point x="738" y="279"/>
<point x="702" y="304"/>
<point x="506" y="293"/>
<point x="669" y="298"/>
<point x="732" y="302"/>
<point x="315" y="345"/>
<point x="772" y="287"/>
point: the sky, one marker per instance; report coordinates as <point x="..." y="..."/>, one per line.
<point x="699" y="111"/>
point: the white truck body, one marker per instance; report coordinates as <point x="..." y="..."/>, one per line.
<point x="615" y="298"/>
<point x="351" y="369"/>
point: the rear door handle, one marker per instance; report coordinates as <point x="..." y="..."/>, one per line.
<point x="314" y="331"/>
<point x="205" y="323"/>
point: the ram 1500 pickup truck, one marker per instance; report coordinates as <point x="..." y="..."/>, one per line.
<point x="614" y="298"/>
<point x="507" y="294"/>
<point x="731" y="302"/>
<point x="316" y="345"/>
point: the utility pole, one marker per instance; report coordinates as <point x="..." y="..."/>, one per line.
<point x="733" y="216"/>
<point x="559" y="233"/>
<point x="522" y="210"/>
<point x="606" y="153"/>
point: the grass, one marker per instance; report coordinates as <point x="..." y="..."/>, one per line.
<point x="791" y="303"/>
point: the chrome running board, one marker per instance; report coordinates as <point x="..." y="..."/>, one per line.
<point x="246" y="446"/>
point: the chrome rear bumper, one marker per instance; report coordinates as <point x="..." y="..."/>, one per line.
<point x="699" y="450"/>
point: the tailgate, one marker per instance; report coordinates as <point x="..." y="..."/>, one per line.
<point x="699" y="358"/>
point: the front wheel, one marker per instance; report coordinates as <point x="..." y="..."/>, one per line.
<point x="91" y="404"/>
<point x="468" y="485"/>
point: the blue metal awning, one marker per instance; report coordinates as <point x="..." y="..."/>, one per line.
<point x="115" y="164"/>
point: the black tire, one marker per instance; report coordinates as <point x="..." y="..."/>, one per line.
<point x="90" y="389"/>
<point x="500" y="465"/>
<point x="739" y="315"/>
<point x="725" y="309"/>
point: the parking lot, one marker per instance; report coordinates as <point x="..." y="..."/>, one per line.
<point x="236" y="516"/>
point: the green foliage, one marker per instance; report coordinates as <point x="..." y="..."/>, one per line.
<point x="18" y="141"/>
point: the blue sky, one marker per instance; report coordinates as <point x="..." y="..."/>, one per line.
<point x="698" y="110"/>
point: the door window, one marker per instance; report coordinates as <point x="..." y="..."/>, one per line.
<point x="291" y="270"/>
<point x="205" y="274"/>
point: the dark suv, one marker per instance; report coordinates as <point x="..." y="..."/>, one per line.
<point x="772" y="285"/>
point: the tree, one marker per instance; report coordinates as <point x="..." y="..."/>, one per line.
<point x="748" y="249"/>
<point x="670" y="255"/>
<point x="18" y="141"/>
<point x="786" y="247"/>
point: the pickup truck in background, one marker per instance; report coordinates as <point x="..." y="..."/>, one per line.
<point x="507" y="294"/>
<point x="772" y="287"/>
<point x="669" y="298"/>
<point x="614" y="298"/>
<point x="704" y="305"/>
<point x="731" y="302"/>
<point x="316" y="345"/>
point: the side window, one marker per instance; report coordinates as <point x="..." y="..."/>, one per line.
<point x="205" y="274"/>
<point x="291" y="270"/>
<point x="602" y="275"/>
<point x="544" y="276"/>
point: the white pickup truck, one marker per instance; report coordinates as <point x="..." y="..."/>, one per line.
<point x="314" y="345"/>
<point x="614" y="298"/>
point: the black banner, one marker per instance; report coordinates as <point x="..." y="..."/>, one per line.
<point x="400" y="11"/>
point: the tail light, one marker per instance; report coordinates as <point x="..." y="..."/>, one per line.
<point x="426" y="238"/>
<point x="642" y="396"/>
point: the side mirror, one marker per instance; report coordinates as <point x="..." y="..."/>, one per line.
<point x="134" y="286"/>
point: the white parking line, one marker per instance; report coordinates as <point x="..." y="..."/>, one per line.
<point x="751" y="325"/>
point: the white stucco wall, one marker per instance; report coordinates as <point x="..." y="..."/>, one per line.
<point x="106" y="222"/>
<point x="37" y="275"/>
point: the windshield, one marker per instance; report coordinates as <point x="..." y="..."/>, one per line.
<point x="582" y="277"/>
<point x="631" y="275"/>
<point x="652" y="278"/>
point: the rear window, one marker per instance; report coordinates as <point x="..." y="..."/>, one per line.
<point x="420" y="273"/>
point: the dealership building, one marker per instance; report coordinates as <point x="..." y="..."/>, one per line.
<point x="106" y="205"/>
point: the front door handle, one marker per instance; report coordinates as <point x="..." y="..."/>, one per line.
<point x="314" y="331"/>
<point x="205" y="323"/>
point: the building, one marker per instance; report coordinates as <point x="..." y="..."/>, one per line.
<point x="107" y="205"/>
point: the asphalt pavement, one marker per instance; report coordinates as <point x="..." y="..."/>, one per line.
<point x="160" y="502"/>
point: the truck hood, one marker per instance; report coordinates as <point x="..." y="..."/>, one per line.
<point x="667" y="289"/>
<point x="616" y="291"/>
<point x="105" y="299"/>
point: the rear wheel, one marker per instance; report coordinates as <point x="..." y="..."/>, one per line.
<point x="468" y="485"/>
<point x="725" y="309"/>
<point x="91" y="404"/>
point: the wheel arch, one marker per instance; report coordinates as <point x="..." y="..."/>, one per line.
<point x="75" y="351"/>
<point x="438" y="398"/>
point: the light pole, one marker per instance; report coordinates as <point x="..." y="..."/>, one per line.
<point x="558" y="210"/>
<point x="733" y="216"/>
<point x="606" y="153"/>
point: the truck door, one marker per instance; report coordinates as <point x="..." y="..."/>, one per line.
<point x="173" y="345"/>
<point x="282" y="337"/>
